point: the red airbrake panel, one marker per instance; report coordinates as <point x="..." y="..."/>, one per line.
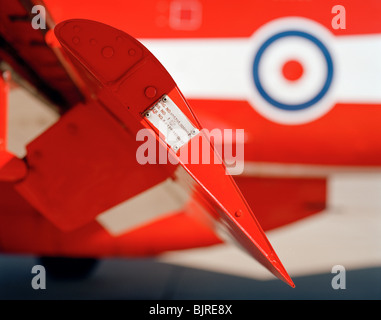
<point x="84" y="165"/>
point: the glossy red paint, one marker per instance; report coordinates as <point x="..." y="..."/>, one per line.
<point x="24" y="230"/>
<point x="220" y="19"/>
<point x="24" y="48"/>
<point x="85" y="164"/>
<point x="278" y="201"/>
<point x="122" y="91"/>
<point x="347" y="135"/>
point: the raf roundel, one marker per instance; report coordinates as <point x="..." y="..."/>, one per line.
<point x="292" y="70"/>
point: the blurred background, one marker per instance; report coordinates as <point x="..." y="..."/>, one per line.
<point x="303" y="79"/>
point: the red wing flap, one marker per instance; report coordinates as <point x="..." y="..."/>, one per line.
<point x="84" y="165"/>
<point x="137" y="87"/>
<point x="24" y="230"/>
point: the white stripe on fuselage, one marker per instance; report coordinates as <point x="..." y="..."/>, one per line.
<point x="221" y="68"/>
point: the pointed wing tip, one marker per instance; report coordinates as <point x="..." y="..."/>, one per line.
<point x="289" y="281"/>
<point x="281" y="273"/>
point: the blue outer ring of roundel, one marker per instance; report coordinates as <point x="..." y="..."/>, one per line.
<point x="322" y="92"/>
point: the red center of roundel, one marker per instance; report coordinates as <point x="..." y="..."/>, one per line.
<point x="292" y="70"/>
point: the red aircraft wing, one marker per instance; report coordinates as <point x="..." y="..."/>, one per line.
<point x="131" y="82"/>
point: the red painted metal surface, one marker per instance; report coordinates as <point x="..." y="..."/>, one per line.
<point x="84" y="165"/>
<point x="25" y="49"/>
<point x="24" y="230"/>
<point x="279" y="201"/>
<point x="152" y="18"/>
<point x="347" y="135"/>
<point x="123" y="79"/>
